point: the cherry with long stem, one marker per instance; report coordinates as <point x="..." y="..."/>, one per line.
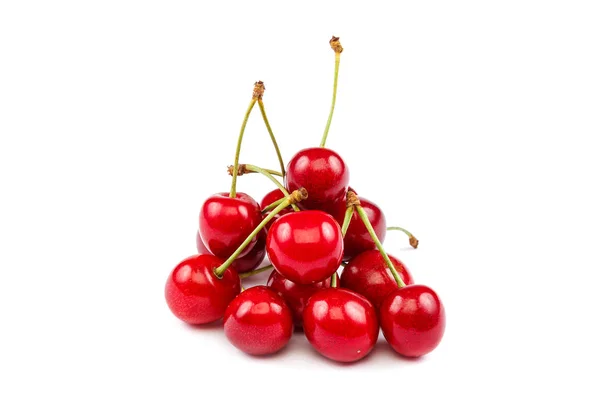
<point x="246" y="168"/>
<point x="414" y="242"/>
<point x="258" y="90"/>
<point x="337" y="48"/>
<point x="295" y="197"/>
<point x="365" y="219"/>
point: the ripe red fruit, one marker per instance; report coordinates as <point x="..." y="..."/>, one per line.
<point x="340" y="324"/>
<point x="226" y="222"/>
<point x="322" y="172"/>
<point x="246" y="263"/>
<point x="358" y="239"/>
<point x="195" y="294"/>
<point x="368" y="274"/>
<point x="295" y="295"/>
<point x="413" y="320"/>
<point x="258" y="321"/>
<point x="306" y="246"/>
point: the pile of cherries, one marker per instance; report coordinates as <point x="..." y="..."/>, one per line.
<point x="312" y="225"/>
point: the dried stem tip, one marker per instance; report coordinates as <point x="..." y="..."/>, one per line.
<point x="259" y="90"/>
<point x="241" y="170"/>
<point x="414" y="242"/>
<point x="298" y="195"/>
<point x="336" y="45"/>
<point x="352" y="199"/>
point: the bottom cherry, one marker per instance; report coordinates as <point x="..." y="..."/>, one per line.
<point x="413" y="320"/>
<point x="258" y="321"/>
<point x="195" y="294"/>
<point x="340" y="324"/>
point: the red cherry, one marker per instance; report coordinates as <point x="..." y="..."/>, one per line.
<point x="340" y="324"/>
<point x="305" y="246"/>
<point x="258" y="321"/>
<point x="270" y="198"/>
<point x="413" y="320"/>
<point x="296" y="296"/>
<point x="357" y="237"/>
<point x="246" y="263"/>
<point x="368" y="274"/>
<point x="195" y="294"/>
<point x="226" y="222"/>
<point x="322" y="172"/>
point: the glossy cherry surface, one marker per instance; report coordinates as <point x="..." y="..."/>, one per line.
<point x="258" y="321"/>
<point x="322" y="172"/>
<point x="306" y="246"/>
<point x="357" y="237"/>
<point x="248" y="262"/>
<point x="413" y="320"/>
<point x="340" y="324"/>
<point x="368" y="274"/>
<point x="295" y="295"/>
<point x="194" y="293"/>
<point x="226" y="222"/>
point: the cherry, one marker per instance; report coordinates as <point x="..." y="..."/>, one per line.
<point x="195" y="294"/>
<point x="295" y="295"/>
<point x="369" y="275"/>
<point x="340" y="324"/>
<point x="248" y="262"/>
<point x="358" y="239"/>
<point x="225" y="222"/>
<point x="305" y="247"/>
<point x="258" y="321"/>
<point x="322" y="172"/>
<point x="413" y="320"/>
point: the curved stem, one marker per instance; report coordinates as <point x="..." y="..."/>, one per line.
<point x="414" y="242"/>
<point x="297" y="195"/>
<point x="264" y="115"/>
<point x="335" y="81"/>
<point x="232" y="192"/>
<point x="365" y="219"/>
<point x="254" y="168"/>
<point x="347" y="219"/>
<point x="256" y="271"/>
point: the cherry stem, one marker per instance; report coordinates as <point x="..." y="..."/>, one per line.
<point x="264" y="115"/>
<point x="414" y="242"/>
<point x="334" y="280"/>
<point x="337" y="48"/>
<point x="256" y="271"/>
<point x="254" y="168"/>
<point x="272" y="205"/>
<point x="295" y="197"/>
<point x="365" y="219"/>
<point x="232" y="193"/>
<point x="347" y="219"/>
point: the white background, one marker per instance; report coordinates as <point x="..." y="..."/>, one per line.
<point x="474" y="124"/>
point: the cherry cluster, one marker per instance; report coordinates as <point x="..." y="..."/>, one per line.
<point x="308" y="227"/>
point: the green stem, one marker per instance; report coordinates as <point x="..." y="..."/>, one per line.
<point x="334" y="280"/>
<point x="272" y="205"/>
<point x="347" y="219"/>
<point x="414" y="242"/>
<point x="256" y="271"/>
<point x="254" y="168"/>
<point x="264" y="115"/>
<point x="232" y="192"/>
<point x="335" y="82"/>
<point x="299" y="194"/>
<point x="365" y="219"/>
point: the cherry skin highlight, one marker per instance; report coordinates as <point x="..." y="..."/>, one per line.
<point x="226" y="222"/>
<point x="368" y="275"/>
<point x="295" y="295"/>
<point x="246" y="263"/>
<point x="340" y="324"/>
<point x="195" y="294"/>
<point x="322" y="172"/>
<point x="413" y="320"/>
<point x="357" y="237"/>
<point x="258" y="321"/>
<point x="306" y="246"/>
